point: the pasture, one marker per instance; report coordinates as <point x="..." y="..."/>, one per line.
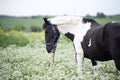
<point x="26" y="24"/>
<point x="32" y="62"/>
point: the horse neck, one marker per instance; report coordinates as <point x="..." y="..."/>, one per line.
<point x="73" y="28"/>
<point x="65" y="28"/>
<point x="66" y="23"/>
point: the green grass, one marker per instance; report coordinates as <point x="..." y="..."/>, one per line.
<point x="108" y="19"/>
<point x="11" y="23"/>
<point x="34" y="63"/>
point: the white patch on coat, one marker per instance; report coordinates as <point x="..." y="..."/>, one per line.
<point x="89" y="44"/>
<point x="62" y="20"/>
<point x="79" y="35"/>
<point x="75" y="26"/>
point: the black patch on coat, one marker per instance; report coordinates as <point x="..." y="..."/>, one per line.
<point x="70" y="36"/>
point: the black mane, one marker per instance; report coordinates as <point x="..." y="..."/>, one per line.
<point x="93" y="22"/>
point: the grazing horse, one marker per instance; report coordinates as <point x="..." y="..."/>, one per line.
<point x="91" y="40"/>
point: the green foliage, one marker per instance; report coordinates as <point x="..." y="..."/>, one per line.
<point x="20" y="28"/>
<point x="35" y="29"/>
<point x="12" y="38"/>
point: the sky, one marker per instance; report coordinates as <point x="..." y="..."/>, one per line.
<point x="58" y="7"/>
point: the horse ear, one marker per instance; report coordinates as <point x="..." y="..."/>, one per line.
<point x="46" y="20"/>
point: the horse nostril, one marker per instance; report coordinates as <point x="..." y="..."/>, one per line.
<point x="48" y="51"/>
<point x="49" y="48"/>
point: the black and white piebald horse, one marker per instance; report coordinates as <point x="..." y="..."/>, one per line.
<point x="90" y="39"/>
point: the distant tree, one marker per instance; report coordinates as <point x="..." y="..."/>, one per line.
<point x="33" y="17"/>
<point x="38" y="16"/>
<point x="18" y="28"/>
<point x="100" y="15"/>
<point x="88" y="16"/>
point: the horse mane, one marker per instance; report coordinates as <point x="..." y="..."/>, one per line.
<point x="85" y="20"/>
<point x="92" y="21"/>
<point x="61" y="20"/>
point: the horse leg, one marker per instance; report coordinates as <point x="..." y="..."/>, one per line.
<point x="95" y="67"/>
<point x="76" y="57"/>
<point x="79" y="55"/>
<point x="117" y="64"/>
<point x="75" y="54"/>
<point x="79" y="59"/>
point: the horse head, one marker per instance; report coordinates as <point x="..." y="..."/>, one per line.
<point x="51" y="35"/>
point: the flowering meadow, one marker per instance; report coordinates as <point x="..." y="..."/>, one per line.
<point x="24" y="57"/>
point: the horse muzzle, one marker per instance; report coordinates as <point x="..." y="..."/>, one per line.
<point x="50" y="49"/>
